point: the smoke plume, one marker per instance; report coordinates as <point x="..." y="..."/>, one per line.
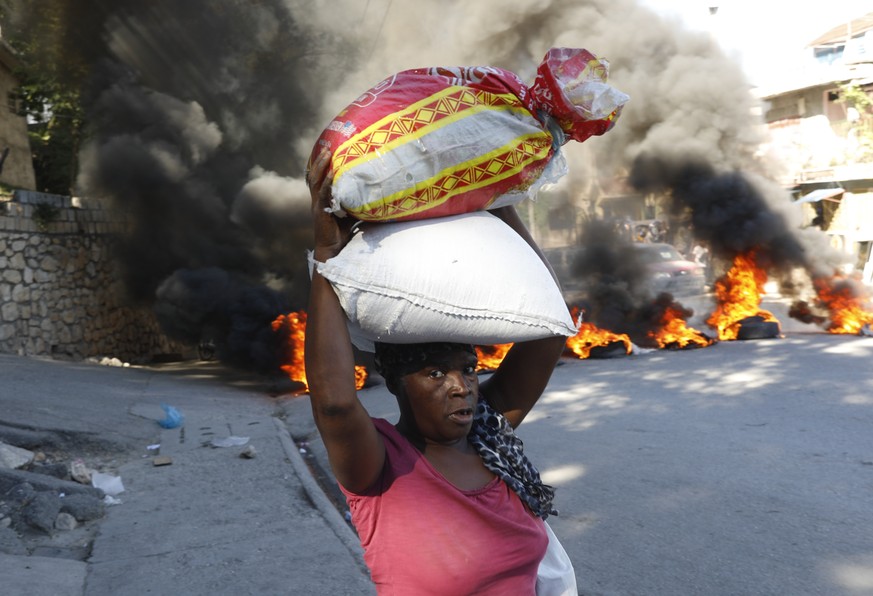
<point x="202" y="114"/>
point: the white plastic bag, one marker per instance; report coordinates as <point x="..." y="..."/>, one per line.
<point x="109" y="484"/>
<point x="556" y="576"/>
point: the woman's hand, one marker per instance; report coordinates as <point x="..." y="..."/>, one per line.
<point x="331" y="233"/>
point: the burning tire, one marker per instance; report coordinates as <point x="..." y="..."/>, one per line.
<point x="615" y="349"/>
<point x="756" y="327"/>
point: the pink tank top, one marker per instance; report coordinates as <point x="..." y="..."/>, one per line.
<point x="422" y="535"/>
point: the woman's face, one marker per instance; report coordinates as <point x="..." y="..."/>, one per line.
<point x="442" y="396"/>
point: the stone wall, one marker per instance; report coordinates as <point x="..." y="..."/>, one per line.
<point x="60" y="289"/>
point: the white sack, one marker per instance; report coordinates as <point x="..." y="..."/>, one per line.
<point x="463" y="278"/>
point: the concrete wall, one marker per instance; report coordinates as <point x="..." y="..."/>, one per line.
<point x="60" y="289"/>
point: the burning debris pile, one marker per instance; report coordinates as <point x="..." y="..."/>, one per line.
<point x="200" y="115"/>
<point x="490" y="357"/>
<point x="669" y="328"/>
<point x="734" y="214"/>
<point x="593" y="342"/>
<point x="292" y="327"/>
<point x="846" y="302"/>
<point x="738" y="298"/>
<point x="617" y="300"/>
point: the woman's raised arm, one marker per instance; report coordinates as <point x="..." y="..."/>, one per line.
<point x="524" y="373"/>
<point x="354" y="447"/>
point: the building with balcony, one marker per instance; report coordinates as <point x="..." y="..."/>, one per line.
<point x="821" y="129"/>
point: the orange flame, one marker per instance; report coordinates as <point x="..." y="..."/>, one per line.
<point x="738" y="294"/>
<point x="673" y="332"/>
<point x="845" y="303"/>
<point x="490" y="357"/>
<point x="294" y="326"/>
<point x="590" y="336"/>
<point x="360" y="376"/>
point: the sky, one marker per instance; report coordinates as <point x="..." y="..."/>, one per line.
<point x="767" y="37"/>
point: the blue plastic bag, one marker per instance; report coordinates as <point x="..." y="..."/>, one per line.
<point x="173" y="419"/>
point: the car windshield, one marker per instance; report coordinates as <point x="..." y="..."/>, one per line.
<point x="658" y="253"/>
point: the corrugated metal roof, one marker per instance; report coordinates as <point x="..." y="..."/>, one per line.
<point x="841" y="32"/>
<point x="820" y="195"/>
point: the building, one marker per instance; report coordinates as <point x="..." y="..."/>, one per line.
<point x="16" y="160"/>
<point x="821" y="128"/>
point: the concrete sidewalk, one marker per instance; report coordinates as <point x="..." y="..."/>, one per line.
<point x="211" y="522"/>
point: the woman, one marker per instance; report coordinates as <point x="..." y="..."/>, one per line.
<point x="444" y="501"/>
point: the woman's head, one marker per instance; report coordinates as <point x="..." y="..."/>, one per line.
<point x="396" y="360"/>
<point x="435" y="384"/>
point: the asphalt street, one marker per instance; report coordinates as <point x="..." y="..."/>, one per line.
<point x="744" y="468"/>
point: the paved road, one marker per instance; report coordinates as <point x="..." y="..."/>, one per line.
<point x="745" y="468"/>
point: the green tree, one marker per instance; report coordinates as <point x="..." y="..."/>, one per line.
<point x="859" y="109"/>
<point x="50" y="82"/>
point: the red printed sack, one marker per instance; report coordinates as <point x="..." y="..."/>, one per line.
<point x="431" y="142"/>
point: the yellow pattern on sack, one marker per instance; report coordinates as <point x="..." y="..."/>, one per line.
<point x="407" y="125"/>
<point x="499" y="164"/>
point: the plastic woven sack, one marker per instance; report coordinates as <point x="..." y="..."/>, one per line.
<point x="432" y="142"/>
<point x="464" y="278"/>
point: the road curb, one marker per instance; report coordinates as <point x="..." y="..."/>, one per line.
<point x="324" y="505"/>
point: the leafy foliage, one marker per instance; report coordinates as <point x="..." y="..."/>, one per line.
<point x="859" y="105"/>
<point x="50" y="77"/>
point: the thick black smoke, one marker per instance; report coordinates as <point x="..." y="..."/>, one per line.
<point x="614" y="280"/>
<point x="225" y="311"/>
<point x="195" y="112"/>
<point x="618" y="296"/>
<point x="201" y="114"/>
<point x="725" y="210"/>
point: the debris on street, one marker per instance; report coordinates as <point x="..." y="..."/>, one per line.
<point x="231" y="441"/>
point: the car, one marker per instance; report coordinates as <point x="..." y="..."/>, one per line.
<point x="665" y="268"/>
<point x="669" y="271"/>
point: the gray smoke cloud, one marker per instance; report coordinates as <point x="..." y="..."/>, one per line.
<point x="203" y="113"/>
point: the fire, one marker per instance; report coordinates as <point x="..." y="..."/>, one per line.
<point x="490" y="357"/>
<point x="673" y="331"/>
<point x="848" y="307"/>
<point x="738" y="293"/>
<point x="590" y="336"/>
<point x="360" y="376"/>
<point x="294" y="326"/>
